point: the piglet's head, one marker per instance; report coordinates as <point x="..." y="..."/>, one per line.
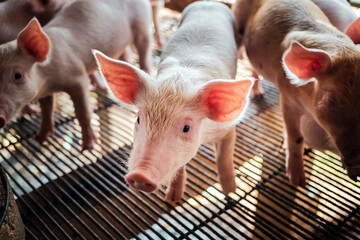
<point x="173" y="119"/>
<point x="18" y="86"/>
<point x="335" y="99"/>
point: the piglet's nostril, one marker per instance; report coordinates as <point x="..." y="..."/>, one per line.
<point x="131" y="182"/>
<point x="140" y="181"/>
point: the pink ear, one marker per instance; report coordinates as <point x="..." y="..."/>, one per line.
<point x="122" y="78"/>
<point x="33" y="42"/>
<point x="305" y="63"/>
<point x="226" y="100"/>
<point x="353" y="31"/>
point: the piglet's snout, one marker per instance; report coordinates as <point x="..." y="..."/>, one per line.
<point x="145" y="173"/>
<point x="140" y="180"/>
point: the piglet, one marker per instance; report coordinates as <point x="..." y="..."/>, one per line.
<point x="42" y="61"/>
<point x="192" y="100"/>
<point x="316" y="68"/>
<point x="16" y="14"/>
<point x="342" y="16"/>
<point x="339" y="12"/>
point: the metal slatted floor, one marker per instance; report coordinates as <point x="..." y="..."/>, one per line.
<point x="64" y="194"/>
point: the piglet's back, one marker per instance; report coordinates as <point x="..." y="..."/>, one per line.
<point x="205" y="39"/>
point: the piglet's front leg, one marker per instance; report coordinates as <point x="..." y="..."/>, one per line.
<point x="294" y="143"/>
<point x="47" y="119"/>
<point x="224" y="161"/>
<point x="176" y="189"/>
<point x="81" y="98"/>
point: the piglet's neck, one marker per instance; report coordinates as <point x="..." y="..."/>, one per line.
<point x="185" y="70"/>
<point x="43" y="81"/>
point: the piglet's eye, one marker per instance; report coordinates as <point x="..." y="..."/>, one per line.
<point x="138" y="120"/>
<point x="18" y="75"/>
<point x="186" y="128"/>
<point x="332" y="101"/>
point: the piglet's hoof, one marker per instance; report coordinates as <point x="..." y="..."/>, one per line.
<point x="174" y="194"/>
<point x="45" y="131"/>
<point x="297" y="179"/>
<point x="228" y="185"/>
<point x="88" y="142"/>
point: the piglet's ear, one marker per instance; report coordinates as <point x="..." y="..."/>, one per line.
<point x="122" y="78"/>
<point x="226" y="100"/>
<point x="353" y="31"/>
<point x="33" y="42"/>
<point x="302" y="64"/>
